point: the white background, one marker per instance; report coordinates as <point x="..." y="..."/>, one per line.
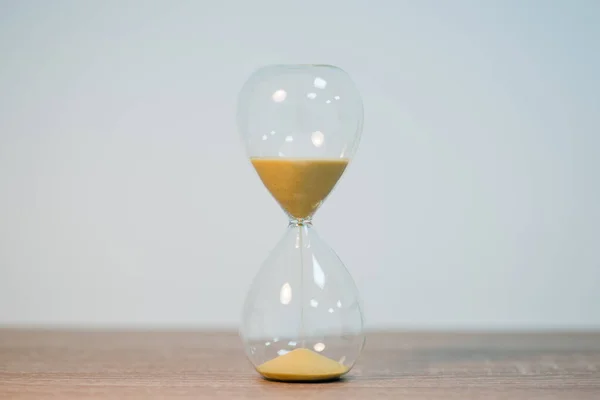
<point x="473" y="201"/>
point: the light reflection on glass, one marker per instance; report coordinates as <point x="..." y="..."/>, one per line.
<point x="318" y="274"/>
<point x="317" y="138"/>
<point x="285" y="294"/>
<point x="320" y="83"/>
<point x="279" y="96"/>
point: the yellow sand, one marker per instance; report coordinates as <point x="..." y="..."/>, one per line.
<point x="302" y="365"/>
<point x="299" y="185"/>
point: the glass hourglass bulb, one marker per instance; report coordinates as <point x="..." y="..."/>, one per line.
<point x="302" y="319"/>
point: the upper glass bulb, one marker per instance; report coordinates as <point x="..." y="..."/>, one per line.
<point x="300" y="111"/>
<point x="301" y="125"/>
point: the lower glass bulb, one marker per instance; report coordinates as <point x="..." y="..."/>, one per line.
<point x="302" y="319"/>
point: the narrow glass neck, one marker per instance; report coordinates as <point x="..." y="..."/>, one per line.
<point x="300" y="222"/>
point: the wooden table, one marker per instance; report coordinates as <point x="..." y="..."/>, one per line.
<point x="188" y="365"/>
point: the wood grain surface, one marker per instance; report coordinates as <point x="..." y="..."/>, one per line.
<point x="196" y="365"/>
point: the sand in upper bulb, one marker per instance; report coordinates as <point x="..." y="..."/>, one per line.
<point x="299" y="185"/>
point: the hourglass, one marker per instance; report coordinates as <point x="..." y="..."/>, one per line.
<point x="301" y="125"/>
